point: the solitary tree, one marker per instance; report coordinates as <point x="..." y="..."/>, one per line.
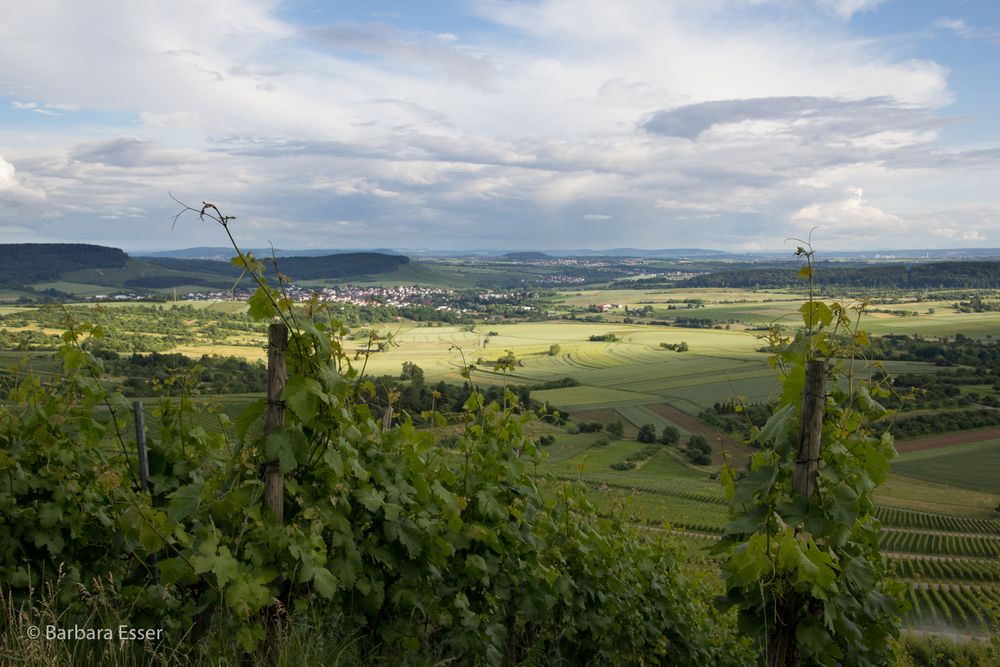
<point x="671" y="436"/>
<point x="616" y="430"/>
<point x="647" y="433"/>
<point x="698" y="450"/>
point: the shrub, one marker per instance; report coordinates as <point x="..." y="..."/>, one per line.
<point x="698" y="450"/>
<point x="647" y="433"/>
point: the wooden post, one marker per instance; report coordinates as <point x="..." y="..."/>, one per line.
<point x="782" y="650"/>
<point x="274" y="487"/>
<point x="277" y="345"/>
<point x="140" y="439"/>
<point x="810" y="429"/>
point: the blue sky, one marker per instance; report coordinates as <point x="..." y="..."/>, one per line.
<point x="553" y="124"/>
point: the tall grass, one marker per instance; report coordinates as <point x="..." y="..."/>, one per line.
<point x="301" y="642"/>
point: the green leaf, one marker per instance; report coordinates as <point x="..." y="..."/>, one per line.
<point x="261" y="305"/>
<point x="326" y="584"/>
<point x="225" y="568"/>
<point x="185" y="501"/>
<point x="278" y="447"/>
<point x="333" y="459"/>
<point x="779" y="426"/>
<point x="371" y="498"/>
<point x="249" y="416"/>
<point x="49" y="514"/>
<point x="303" y="395"/>
<point x="248" y="594"/>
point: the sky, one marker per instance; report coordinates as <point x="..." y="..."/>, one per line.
<point x="479" y="124"/>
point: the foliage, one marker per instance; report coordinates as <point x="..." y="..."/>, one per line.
<point x="698" y="450"/>
<point x="589" y="427"/>
<point x="616" y="429"/>
<point x="25" y="263"/>
<point x="647" y="433"/>
<point x="978" y="275"/>
<point x="670" y="435"/>
<point x="62" y="471"/>
<point x="805" y="572"/>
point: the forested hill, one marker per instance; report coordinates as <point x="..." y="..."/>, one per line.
<point x="24" y="263"/>
<point x="965" y="275"/>
<point x="346" y="265"/>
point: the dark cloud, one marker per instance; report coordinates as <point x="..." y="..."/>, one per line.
<point x="127" y="152"/>
<point x="818" y="115"/>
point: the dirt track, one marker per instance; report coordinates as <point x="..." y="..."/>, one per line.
<point x="947" y="439"/>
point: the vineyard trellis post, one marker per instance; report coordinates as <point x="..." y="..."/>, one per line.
<point x="277" y="345"/>
<point x="274" y="491"/>
<point x="140" y="441"/>
<point x="782" y="650"/>
<point x="811" y="428"/>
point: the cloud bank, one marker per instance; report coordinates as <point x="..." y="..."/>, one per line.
<point x="543" y="124"/>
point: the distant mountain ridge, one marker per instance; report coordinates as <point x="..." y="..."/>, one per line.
<point x="324" y="267"/>
<point x="224" y="253"/>
<point x="25" y="263"/>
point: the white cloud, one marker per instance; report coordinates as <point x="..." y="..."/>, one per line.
<point x="13" y="189"/>
<point x="850" y="215"/>
<point x="596" y="216"/>
<point x="845" y="9"/>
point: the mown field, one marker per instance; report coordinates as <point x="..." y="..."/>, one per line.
<point x="939" y="505"/>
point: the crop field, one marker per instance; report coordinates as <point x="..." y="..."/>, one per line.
<point x="971" y="466"/>
<point x="920" y="495"/>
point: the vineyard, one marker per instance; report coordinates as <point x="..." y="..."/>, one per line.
<point x="949" y="563"/>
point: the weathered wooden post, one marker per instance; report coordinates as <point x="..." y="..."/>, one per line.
<point x="274" y="491"/>
<point x="810" y="428"/>
<point x="277" y="345"/>
<point x="782" y="650"/>
<point x="140" y="439"/>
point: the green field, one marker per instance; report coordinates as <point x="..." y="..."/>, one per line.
<point x="973" y="466"/>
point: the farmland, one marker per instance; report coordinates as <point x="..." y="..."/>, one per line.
<point x="938" y="505"/>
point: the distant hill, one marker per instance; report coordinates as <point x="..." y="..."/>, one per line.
<point x="25" y="263"/>
<point x="518" y="256"/>
<point x="344" y="265"/>
<point x="948" y="275"/>
<point x="224" y="253"/>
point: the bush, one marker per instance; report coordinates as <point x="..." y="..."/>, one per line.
<point x="590" y="427"/>
<point x="647" y="434"/>
<point x="698" y="450"/>
<point x="671" y="436"/>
